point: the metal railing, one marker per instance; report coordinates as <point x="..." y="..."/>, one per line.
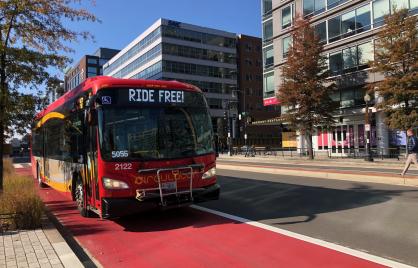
<point x="334" y="152"/>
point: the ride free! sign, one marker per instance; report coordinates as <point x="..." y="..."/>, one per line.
<point x="147" y="96"/>
<point x="159" y="96"/>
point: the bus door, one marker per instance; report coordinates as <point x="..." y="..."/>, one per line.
<point x="92" y="187"/>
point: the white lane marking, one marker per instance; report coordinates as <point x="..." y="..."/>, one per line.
<point x="349" y="251"/>
<point x="18" y="165"/>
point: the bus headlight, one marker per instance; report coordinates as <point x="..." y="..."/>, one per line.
<point x="209" y="174"/>
<point x="114" y="184"/>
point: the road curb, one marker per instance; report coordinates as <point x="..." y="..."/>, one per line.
<point x="312" y="173"/>
<point x="320" y="163"/>
<point x="70" y="252"/>
<point x="66" y="255"/>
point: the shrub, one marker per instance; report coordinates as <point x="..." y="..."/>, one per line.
<point x="20" y="200"/>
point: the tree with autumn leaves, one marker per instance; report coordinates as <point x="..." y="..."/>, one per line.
<point x="305" y="91"/>
<point x="32" y="40"/>
<point x="396" y="57"/>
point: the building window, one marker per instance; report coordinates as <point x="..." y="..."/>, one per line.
<point x="334" y="29"/>
<point x="414" y="5"/>
<point x="313" y="7"/>
<point x="267" y="30"/>
<point x="91" y="60"/>
<point x="286" y="43"/>
<point x="363" y="21"/>
<point x="268" y="56"/>
<point x="380" y="9"/>
<point x="335" y="62"/>
<point x="248" y="62"/>
<point x="350" y="57"/>
<point x="321" y="31"/>
<point x="308" y="7"/>
<point x="287" y="16"/>
<point x="268" y="83"/>
<point x="319" y="6"/>
<point x="334" y="3"/>
<point x="365" y="53"/>
<point x="92" y="70"/>
<point x="103" y="61"/>
<point x="249" y="77"/>
<point x="348" y="23"/>
<point x="400" y="4"/>
<point x="267" y="6"/>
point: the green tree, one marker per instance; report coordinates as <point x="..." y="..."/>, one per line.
<point x="304" y="91"/>
<point x="396" y="57"/>
<point x="32" y="37"/>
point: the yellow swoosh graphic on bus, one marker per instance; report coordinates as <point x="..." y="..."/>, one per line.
<point x="51" y="115"/>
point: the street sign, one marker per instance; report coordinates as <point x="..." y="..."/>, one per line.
<point x="367" y="127"/>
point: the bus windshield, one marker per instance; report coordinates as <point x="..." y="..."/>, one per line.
<point x="146" y="133"/>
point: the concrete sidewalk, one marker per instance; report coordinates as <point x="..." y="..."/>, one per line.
<point x="335" y="162"/>
<point x="42" y="247"/>
<point x="343" y="169"/>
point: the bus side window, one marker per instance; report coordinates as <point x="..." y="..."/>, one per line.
<point x="54" y="140"/>
<point x="75" y="134"/>
<point x="37" y="142"/>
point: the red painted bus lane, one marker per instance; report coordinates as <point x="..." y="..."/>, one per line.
<point x="188" y="238"/>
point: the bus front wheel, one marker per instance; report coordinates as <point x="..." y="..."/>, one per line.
<point x="79" y="197"/>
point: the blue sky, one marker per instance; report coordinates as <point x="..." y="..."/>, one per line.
<point x="124" y="20"/>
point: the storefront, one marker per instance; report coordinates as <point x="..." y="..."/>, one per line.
<point x="349" y="136"/>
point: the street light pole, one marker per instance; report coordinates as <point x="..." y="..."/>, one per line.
<point x="367" y="127"/>
<point x="228" y="124"/>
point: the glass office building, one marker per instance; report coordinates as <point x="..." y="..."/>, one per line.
<point x="347" y="28"/>
<point x="171" y="50"/>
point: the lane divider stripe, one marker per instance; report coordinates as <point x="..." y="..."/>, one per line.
<point x="349" y="251"/>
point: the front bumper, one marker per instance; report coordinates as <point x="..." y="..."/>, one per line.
<point x="118" y="207"/>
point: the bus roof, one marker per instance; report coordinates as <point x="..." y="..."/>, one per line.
<point x="99" y="82"/>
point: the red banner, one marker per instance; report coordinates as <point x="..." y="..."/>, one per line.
<point x="271" y="101"/>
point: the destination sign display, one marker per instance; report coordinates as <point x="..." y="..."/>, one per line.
<point x="147" y="96"/>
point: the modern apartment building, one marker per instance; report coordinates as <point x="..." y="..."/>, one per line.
<point x="88" y="66"/>
<point x="171" y="50"/>
<point x="347" y="29"/>
<point x="250" y="85"/>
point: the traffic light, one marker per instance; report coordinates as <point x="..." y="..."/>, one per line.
<point x="225" y="115"/>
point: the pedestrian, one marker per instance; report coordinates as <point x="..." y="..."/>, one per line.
<point x="412" y="147"/>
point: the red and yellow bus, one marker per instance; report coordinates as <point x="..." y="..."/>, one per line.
<point x="122" y="146"/>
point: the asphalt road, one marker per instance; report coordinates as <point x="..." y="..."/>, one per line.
<point x="378" y="219"/>
<point x="413" y="170"/>
<point x="374" y="218"/>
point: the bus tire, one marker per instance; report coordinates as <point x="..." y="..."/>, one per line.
<point x="79" y="196"/>
<point x="38" y="177"/>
